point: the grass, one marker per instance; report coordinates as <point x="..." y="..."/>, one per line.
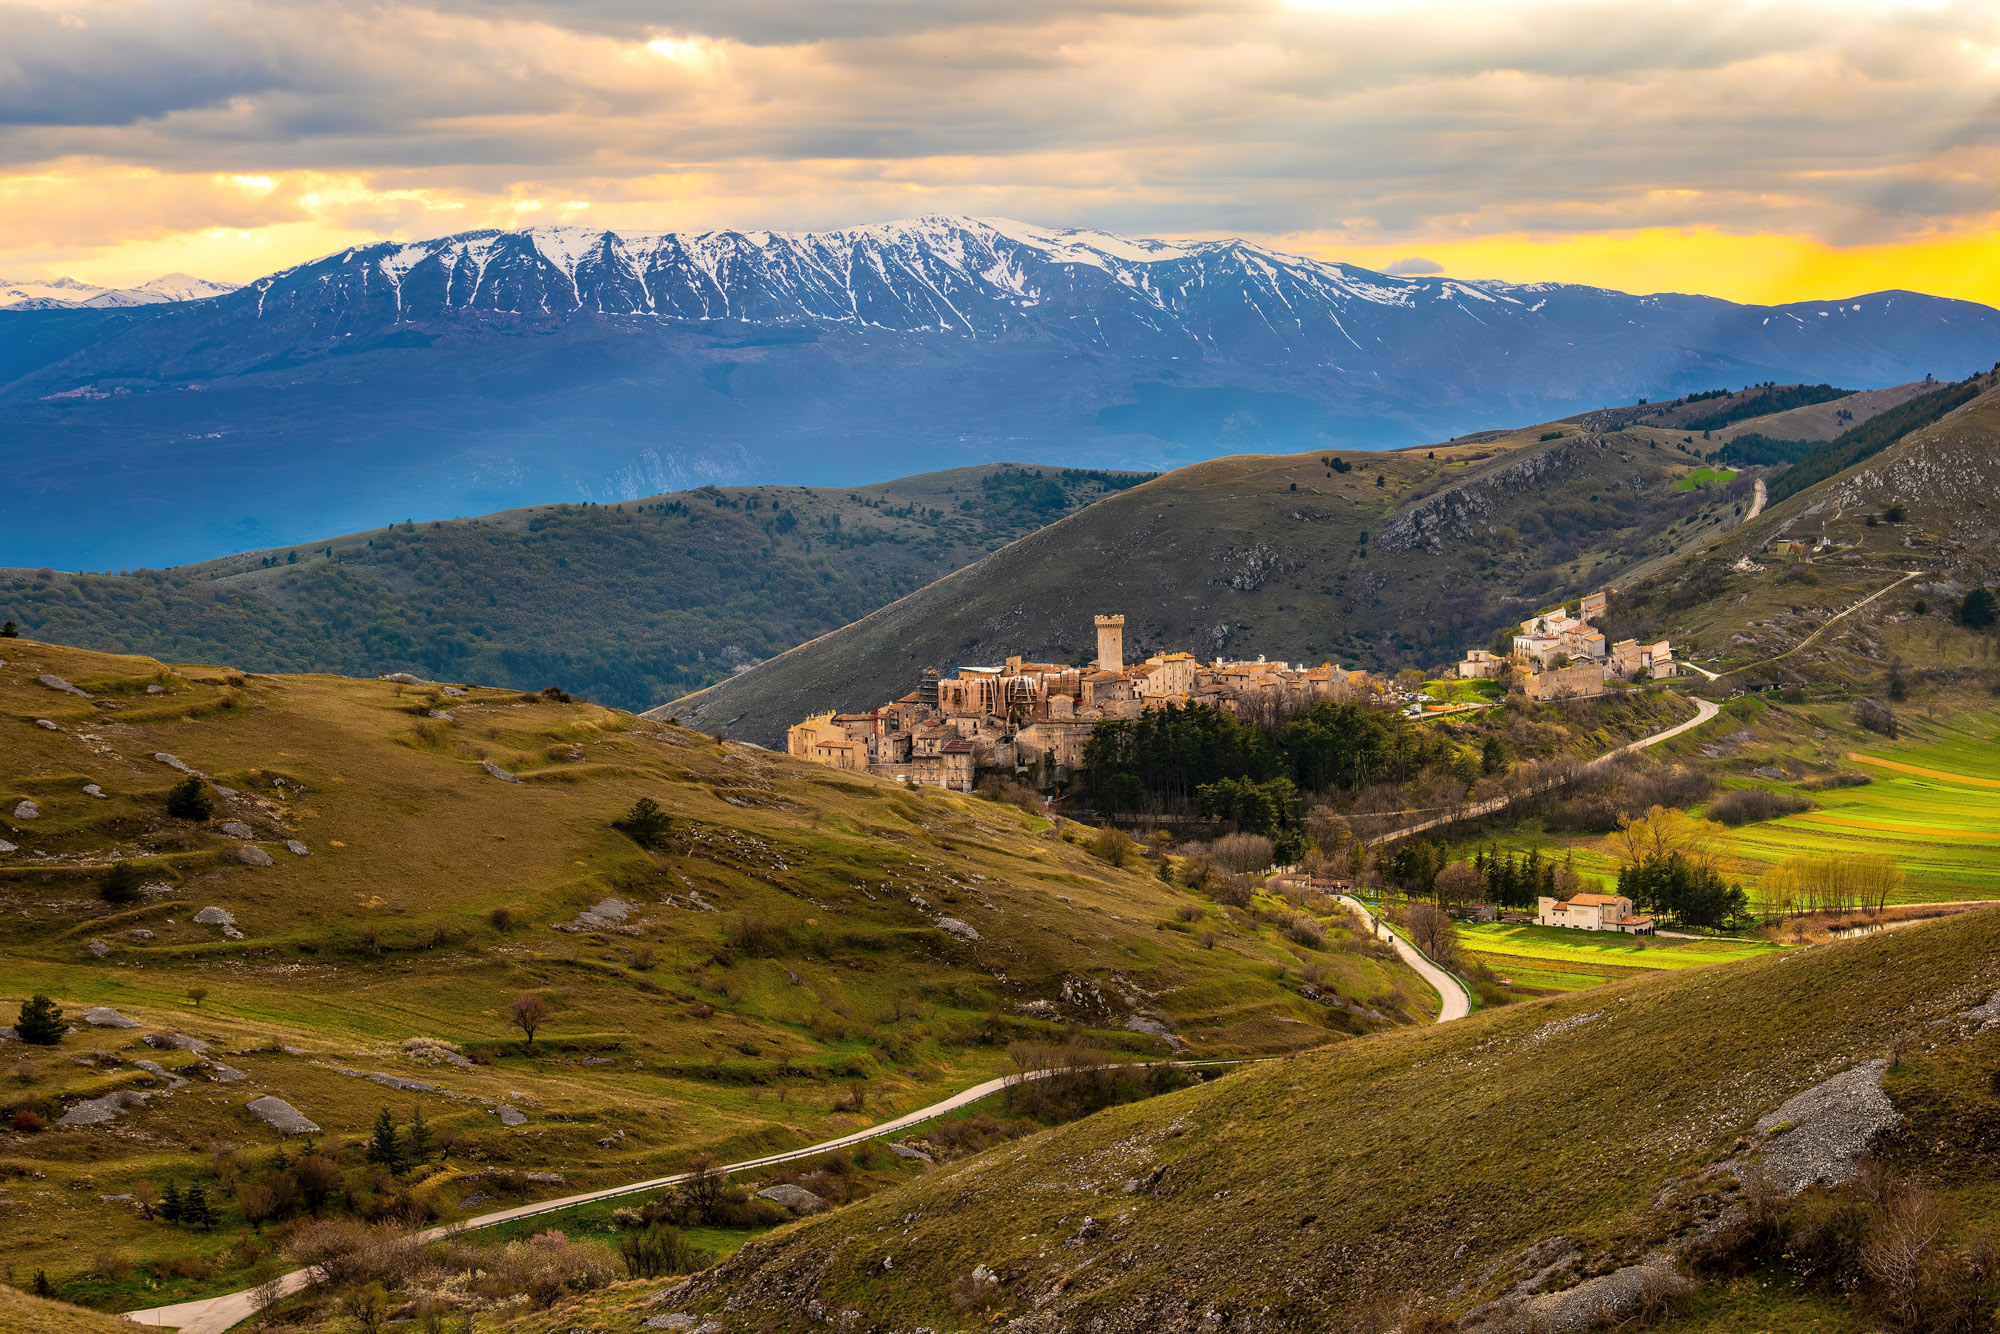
<point x="1701" y="477"/>
<point x="1549" y="944"/>
<point x="1416" y="1166"/>
<point x="736" y="1031"/>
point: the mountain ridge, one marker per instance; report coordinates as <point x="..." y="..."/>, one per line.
<point x="467" y="374"/>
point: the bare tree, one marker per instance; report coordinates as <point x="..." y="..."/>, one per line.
<point x="1433" y="932"/>
<point x="529" y="1012"/>
<point x="1460" y="882"/>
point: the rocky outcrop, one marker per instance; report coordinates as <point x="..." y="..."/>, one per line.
<point x="281" y="1116"/>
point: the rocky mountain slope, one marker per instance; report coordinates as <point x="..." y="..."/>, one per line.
<point x="1405" y="559"/>
<point x="1915" y="523"/>
<point x="493" y="369"/>
<point x="628" y="604"/>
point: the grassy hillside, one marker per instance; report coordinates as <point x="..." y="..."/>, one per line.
<point x="794" y="962"/>
<point x="1923" y="504"/>
<point x="629" y="603"/>
<point x="1420" y="1173"/>
<point x="1406" y="559"/>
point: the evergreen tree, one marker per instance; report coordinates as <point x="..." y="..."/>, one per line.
<point x="190" y="800"/>
<point x="40" y="1021"/>
<point x="171" y="1205"/>
<point x="8" y="631"/>
<point x="385" y="1146"/>
<point x="196" y="1210"/>
<point x="421" y="1141"/>
<point x="120" y="883"/>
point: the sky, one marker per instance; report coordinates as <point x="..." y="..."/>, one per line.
<point x="1755" y="151"/>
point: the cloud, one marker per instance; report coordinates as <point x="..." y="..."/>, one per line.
<point x="1415" y="126"/>
<point x="1414" y="267"/>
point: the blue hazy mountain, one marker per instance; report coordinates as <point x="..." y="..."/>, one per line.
<point x="491" y="369"/>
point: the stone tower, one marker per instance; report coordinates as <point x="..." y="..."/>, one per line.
<point x="1111" y="643"/>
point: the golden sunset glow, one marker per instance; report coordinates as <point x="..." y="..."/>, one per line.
<point x="1770" y="152"/>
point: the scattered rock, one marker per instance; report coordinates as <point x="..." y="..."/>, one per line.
<point x="178" y="1040"/>
<point x="401" y="1085"/>
<point x="114" y="1199"/>
<point x="103" y="1016"/>
<point x="905" y="1151"/>
<point x="797" y="1199"/>
<point x="1821" y="1134"/>
<point x="439" y="714"/>
<point x="236" y="829"/>
<point x="224" y="791"/>
<point x="600" y="915"/>
<point x="430" y="1049"/>
<point x="140" y="933"/>
<point x="1767" y="771"/>
<point x="156" y="689"/>
<point x="98" y="949"/>
<point x="57" y="683"/>
<point x="174" y="1081"/>
<point x="296" y="848"/>
<point x="670" y="1320"/>
<point x="250" y="854"/>
<point x="27" y="810"/>
<point x="93" y="790"/>
<point x="1140" y="1023"/>
<point x="171" y="762"/>
<point x="224" y="1074"/>
<point x="107" y="1108"/>
<point x="215" y="917"/>
<point x="543" y="1178"/>
<point x="6" y="847"/>
<point x="454" y="691"/>
<point x="511" y="1117"/>
<point x="952" y="926"/>
<point x="281" y="1116"/>
<point x="499" y="773"/>
<point x="46" y="725"/>
<point x="406" y="679"/>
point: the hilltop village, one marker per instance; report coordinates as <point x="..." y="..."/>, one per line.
<point x="1040" y="715"/>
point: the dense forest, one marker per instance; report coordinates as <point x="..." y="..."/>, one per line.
<point x="631" y="604"/>
<point x="1774" y="398"/>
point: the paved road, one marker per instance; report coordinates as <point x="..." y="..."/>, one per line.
<point x="212" y="1315"/>
<point x="1704" y="711"/>
<point x="1453" y="1003"/>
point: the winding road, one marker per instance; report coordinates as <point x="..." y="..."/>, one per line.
<point x="1703" y="711"/>
<point x="1453" y="1003"/>
<point x="212" y="1315"/>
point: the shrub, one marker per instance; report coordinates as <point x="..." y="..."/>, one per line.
<point x="1113" y="846"/>
<point x="645" y="824"/>
<point x="1877" y="717"/>
<point x="27" y="1121"/>
<point x="1751" y="804"/>
<point x="1305" y="930"/>
<point x="502" y="919"/>
<point x="190" y="800"/>
<point x="658" y="1251"/>
<point x="120" y="884"/>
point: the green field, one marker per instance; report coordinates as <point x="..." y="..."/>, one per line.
<point x="1702" y="477"/>
<point x="1944" y="832"/>
<point x="1529" y="961"/>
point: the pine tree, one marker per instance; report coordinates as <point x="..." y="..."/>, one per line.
<point x="420" y="1142"/>
<point x="385" y="1146"/>
<point x="189" y="800"/>
<point x="171" y="1206"/>
<point x="195" y="1209"/>
<point x="40" y="1021"/>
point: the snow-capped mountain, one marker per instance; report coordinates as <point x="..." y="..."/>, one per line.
<point x="69" y="293"/>
<point x="497" y="368"/>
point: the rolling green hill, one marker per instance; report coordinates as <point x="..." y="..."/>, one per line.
<point x="628" y="603"/>
<point x="1407" y="559"/>
<point x="801" y="952"/>
<point x="1515" y="1170"/>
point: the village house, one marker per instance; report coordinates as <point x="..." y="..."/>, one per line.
<point x="1026" y="715"/>
<point x="1479" y="664"/>
<point x="1592" y="912"/>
